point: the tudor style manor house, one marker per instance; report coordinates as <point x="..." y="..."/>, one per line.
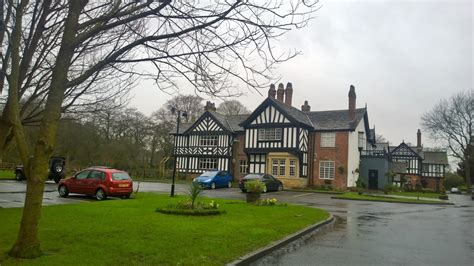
<point x="303" y="147"/>
<point x="298" y="146"/>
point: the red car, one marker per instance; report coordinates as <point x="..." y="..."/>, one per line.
<point x="99" y="182"/>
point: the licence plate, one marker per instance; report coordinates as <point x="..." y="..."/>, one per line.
<point x="123" y="185"/>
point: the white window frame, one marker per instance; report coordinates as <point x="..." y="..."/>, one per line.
<point x="208" y="140"/>
<point x="278" y="167"/>
<point x="292" y="168"/>
<point x="207" y="163"/>
<point x="361" y="139"/>
<point x="244" y="166"/>
<point x="327" y="170"/>
<point x="328" y="139"/>
<point x="269" y="134"/>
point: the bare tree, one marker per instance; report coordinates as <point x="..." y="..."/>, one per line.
<point x="379" y="138"/>
<point x="232" y="107"/>
<point x="208" y="45"/>
<point x="451" y="122"/>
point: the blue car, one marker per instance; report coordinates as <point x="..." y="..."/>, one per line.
<point x="214" y="179"/>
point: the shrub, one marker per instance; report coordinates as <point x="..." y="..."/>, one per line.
<point x="254" y="186"/>
<point x="453" y="180"/>
<point x="360" y="183"/>
<point x="389" y="188"/>
<point x="443" y="197"/>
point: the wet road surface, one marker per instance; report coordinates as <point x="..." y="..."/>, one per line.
<point x="368" y="233"/>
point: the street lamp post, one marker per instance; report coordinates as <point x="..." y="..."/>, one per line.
<point x="178" y="120"/>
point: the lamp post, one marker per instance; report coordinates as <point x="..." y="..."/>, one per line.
<point x="178" y="120"/>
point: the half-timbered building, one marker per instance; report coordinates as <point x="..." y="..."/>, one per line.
<point x="299" y="146"/>
<point x="403" y="165"/>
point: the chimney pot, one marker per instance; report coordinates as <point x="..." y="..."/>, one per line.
<point x="305" y="107"/>
<point x="288" y="93"/>
<point x="272" y="91"/>
<point x="210" y="106"/>
<point x="280" y="92"/>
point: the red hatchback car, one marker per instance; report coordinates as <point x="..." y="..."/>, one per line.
<point x="99" y="182"/>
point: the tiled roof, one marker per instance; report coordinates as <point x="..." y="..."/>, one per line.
<point x="335" y="120"/>
<point x="435" y="157"/>
<point x="295" y="113"/>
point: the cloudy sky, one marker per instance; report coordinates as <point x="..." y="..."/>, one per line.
<point x="402" y="56"/>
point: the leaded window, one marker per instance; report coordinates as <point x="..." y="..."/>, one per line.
<point x="208" y="140"/>
<point x="328" y="139"/>
<point x="326" y="169"/>
<point x="269" y="134"/>
<point x="208" y="163"/>
<point x="244" y="167"/>
<point x="292" y="167"/>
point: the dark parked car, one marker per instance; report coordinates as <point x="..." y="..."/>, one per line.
<point x="214" y="179"/>
<point x="99" y="182"/>
<point x="271" y="183"/>
<point x="56" y="169"/>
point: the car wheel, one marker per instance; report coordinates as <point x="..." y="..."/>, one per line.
<point x="18" y="177"/>
<point x="213" y="185"/>
<point x="280" y="187"/>
<point x="63" y="192"/>
<point x="100" y="194"/>
<point x="229" y="185"/>
<point x="265" y="189"/>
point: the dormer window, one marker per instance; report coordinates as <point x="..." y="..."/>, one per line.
<point x="269" y="134"/>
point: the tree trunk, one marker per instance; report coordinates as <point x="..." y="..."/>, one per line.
<point x="5" y="131"/>
<point x="467" y="171"/>
<point x="27" y="244"/>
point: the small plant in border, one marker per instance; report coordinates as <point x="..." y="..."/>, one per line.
<point x="193" y="193"/>
<point x="214" y="205"/>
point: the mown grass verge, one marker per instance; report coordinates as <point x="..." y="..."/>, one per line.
<point x="131" y="232"/>
<point x="415" y="194"/>
<point x="355" y="196"/>
<point x="316" y="191"/>
<point x="7" y="175"/>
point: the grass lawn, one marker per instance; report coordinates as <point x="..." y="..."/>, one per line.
<point x="317" y="191"/>
<point x="130" y="232"/>
<point x="355" y="196"/>
<point x="7" y="174"/>
<point x="414" y="194"/>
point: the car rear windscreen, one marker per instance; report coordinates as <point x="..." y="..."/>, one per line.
<point x="120" y="176"/>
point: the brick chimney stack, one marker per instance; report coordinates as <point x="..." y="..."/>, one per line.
<point x="210" y="106"/>
<point x="418" y="139"/>
<point x="305" y="107"/>
<point x="280" y="92"/>
<point x="288" y="93"/>
<point x="352" y="102"/>
<point x="272" y="91"/>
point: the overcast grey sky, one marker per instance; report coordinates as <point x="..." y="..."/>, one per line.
<point x="402" y="57"/>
